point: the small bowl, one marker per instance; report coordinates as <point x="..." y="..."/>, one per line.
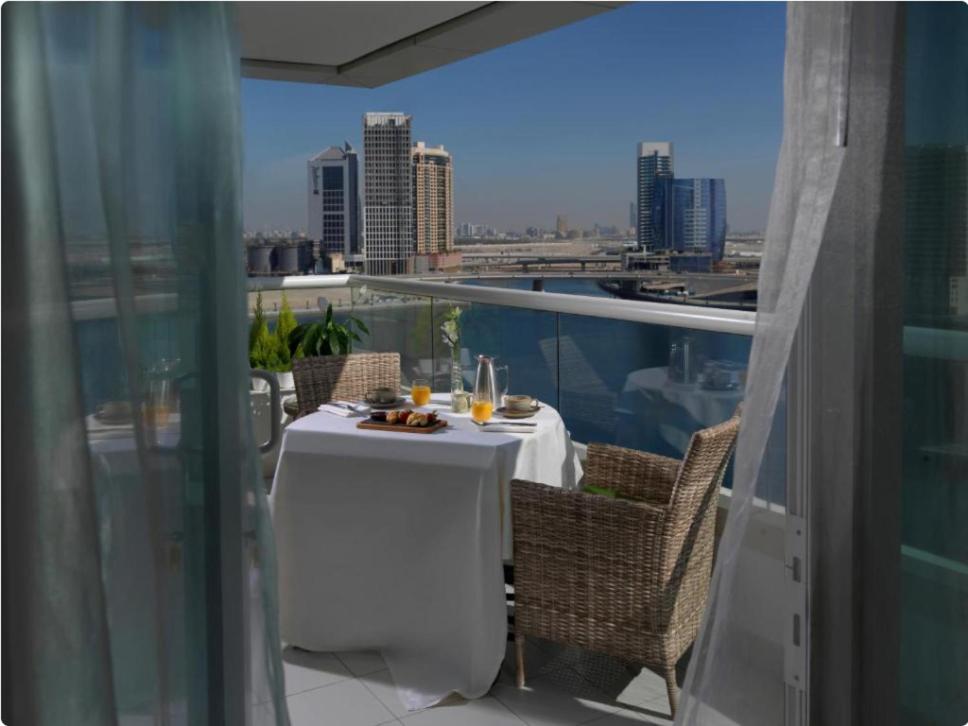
<point x="519" y="403"/>
<point x="381" y="395"/>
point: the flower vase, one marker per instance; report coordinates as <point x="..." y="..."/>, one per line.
<point x="456" y="374"/>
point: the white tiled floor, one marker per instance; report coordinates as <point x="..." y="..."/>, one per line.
<point x="566" y="687"/>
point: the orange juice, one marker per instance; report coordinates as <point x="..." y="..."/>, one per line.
<point x="481" y="411"/>
<point x="420" y="395"/>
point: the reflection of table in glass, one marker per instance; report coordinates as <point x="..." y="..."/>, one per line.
<point x="659" y="415"/>
<point x="394" y="542"/>
<point x="125" y="513"/>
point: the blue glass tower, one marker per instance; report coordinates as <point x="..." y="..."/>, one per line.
<point x="689" y="216"/>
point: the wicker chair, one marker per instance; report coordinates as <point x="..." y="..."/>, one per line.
<point x="324" y="378"/>
<point x="626" y="578"/>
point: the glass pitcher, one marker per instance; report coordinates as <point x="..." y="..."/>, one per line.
<point x="486" y="385"/>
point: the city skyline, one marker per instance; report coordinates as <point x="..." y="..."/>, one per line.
<point x="560" y="139"/>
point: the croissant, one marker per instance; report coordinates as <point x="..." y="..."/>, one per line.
<point x="417" y="419"/>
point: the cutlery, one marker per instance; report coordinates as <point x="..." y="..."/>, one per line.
<point x="343" y="406"/>
<point x="508" y="423"/>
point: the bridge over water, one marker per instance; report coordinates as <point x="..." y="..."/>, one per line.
<point x="527" y="261"/>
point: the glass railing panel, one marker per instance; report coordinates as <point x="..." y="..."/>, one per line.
<point x="306" y="304"/>
<point x="397" y="323"/>
<point x="647" y="387"/>
<point x="524" y="340"/>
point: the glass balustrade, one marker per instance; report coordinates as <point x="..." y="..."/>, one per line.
<point x="640" y="385"/>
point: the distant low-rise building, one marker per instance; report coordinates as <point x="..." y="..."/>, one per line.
<point x="561" y="227"/>
<point x="438" y="262"/>
<point x="331" y="263"/>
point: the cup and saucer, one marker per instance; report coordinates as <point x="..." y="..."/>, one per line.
<point x="383" y="399"/>
<point x="519" y="406"/>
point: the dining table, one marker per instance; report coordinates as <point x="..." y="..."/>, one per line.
<point x="394" y="541"/>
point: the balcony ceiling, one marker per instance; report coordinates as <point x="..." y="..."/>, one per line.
<point x="372" y="43"/>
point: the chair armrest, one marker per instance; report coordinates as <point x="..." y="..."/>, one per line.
<point x="635" y="474"/>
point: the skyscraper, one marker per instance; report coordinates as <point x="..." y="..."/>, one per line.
<point x="633" y="215"/>
<point x="561" y="227"/>
<point x="388" y="199"/>
<point x="654" y="162"/>
<point x="689" y="215"/>
<point x="433" y="199"/>
<point x="334" y="200"/>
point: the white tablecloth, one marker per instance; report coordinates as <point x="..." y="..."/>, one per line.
<point x="393" y="542"/>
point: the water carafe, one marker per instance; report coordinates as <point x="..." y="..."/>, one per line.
<point x="486" y="386"/>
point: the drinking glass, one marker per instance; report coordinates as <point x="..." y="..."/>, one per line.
<point x="162" y="399"/>
<point x="482" y="408"/>
<point x="420" y="392"/>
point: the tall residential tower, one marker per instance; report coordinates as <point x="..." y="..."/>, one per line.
<point x="654" y="162"/>
<point x="334" y="200"/>
<point x="433" y="199"/>
<point x="388" y="196"/>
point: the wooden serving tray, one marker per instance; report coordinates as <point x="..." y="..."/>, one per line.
<point x="401" y="428"/>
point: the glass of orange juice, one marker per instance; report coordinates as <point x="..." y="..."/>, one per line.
<point x="481" y="409"/>
<point x="420" y="392"/>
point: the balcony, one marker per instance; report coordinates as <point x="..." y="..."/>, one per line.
<point x="604" y="364"/>
<point x="139" y="548"/>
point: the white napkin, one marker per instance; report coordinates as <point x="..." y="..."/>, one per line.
<point x="343" y="408"/>
<point x="508" y="429"/>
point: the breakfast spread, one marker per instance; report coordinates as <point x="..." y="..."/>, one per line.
<point x="406" y="417"/>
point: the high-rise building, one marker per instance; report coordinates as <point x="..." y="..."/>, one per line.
<point x="654" y="162"/>
<point x="689" y="215"/>
<point x="561" y="227"/>
<point x="433" y="199"/>
<point x="633" y="215"/>
<point x="334" y="200"/>
<point x="388" y="195"/>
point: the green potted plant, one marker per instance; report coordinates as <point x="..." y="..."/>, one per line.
<point x="325" y="337"/>
<point x="269" y="349"/>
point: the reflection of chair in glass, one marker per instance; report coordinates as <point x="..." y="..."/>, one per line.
<point x="626" y="578"/>
<point x="325" y="378"/>
<point x="438" y="370"/>
<point x="584" y="396"/>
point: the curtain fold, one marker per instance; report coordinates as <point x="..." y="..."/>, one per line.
<point x="135" y="482"/>
<point x="736" y="672"/>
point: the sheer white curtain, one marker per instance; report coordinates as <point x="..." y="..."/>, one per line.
<point x="138" y="560"/>
<point x="736" y="672"/>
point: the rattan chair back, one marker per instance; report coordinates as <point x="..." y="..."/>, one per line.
<point x="325" y="378"/>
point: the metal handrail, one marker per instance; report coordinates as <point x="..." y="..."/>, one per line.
<point x="718" y="320"/>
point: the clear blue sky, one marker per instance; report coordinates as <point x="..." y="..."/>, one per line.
<point x="550" y="125"/>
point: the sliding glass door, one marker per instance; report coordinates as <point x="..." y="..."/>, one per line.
<point x="934" y="515"/>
